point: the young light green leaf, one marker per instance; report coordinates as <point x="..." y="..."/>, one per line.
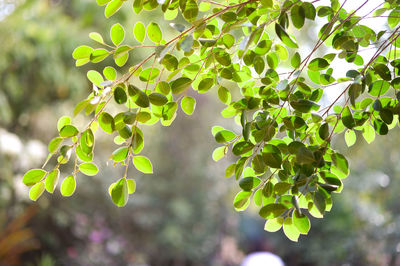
<point x="106" y="122"/>
<point x="63" y="121"/>
<point x="139" y="31"/>
<point x="188" y="104"/>
<point x="154" y="32"/>
<point x="290" y="229"/>
<point x="33" y="176"/>
<point x="219" y="153"/>
<point x="113" y="7"/>
<point x="89" y="169"/>
<point x="95" y="36"/>
<point x="120" y="154"/>
<point x="368" y="133"/>
<point x="301" y="222"/>
<point x="36" y="191"/>
<point x="68" y="131"/>
<point x="117" y="34"/>
<point x="55" y="144"/>
<point x="131" y="186"/>
<point x="68" y="186"/>
<point x="350" y="137"/>
<point x="52" y="180"/>
<point x="273" y="225"/>
<point x="242" y="200"/>
<point x="143" y="164"/>
<point x="82" y="52"/>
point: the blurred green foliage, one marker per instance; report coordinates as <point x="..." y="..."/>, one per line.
<point x="183" y="213"/>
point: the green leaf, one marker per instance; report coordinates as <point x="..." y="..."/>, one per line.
<point x="272" y="159"/>
<point x="95" y="36"/>
<point x="219" y="153"/>
<point x="224" y="95"/>
<point x="143" y="164"/>
<point x="284" y="37"/>
<point x="110" y="73"/>
<point x="68" y="186"/>
<point x="131" y="186"/>
<point x="324" y="131"/>
<point x="170" y="62"/>
<point x="68" y="131"/>
<point x="82" y="52"/>
<point x="205" y="85"/>
<point x="139" y="31"/>
<point x="394" y="18"/>
<point x="139" y="96"/>
<point x="191" y="10"/>
<point x="149" y="74"/>
<point x="290" y="229"/>
<point x="52" y="180"/>
<point x="248" y="183"/>
<point x="154" y="32"/>
<point x="383" y="71"/>
<point x="378" y="88"/>
<point x="224" y="136"/>
<point x="282" y="188"/>
<point x="89" y="169"/>
<point x="102" y="2"/>
<point x="242" y="200"/>
<point x="368" y="133"/>
<point x="319" y="201"/>
<point x="309" y="10"/>
<point x="99" y="55"/>
<point x="380" y="127"/>
<point x="169" y="110"/>
<point x="188" y="104"/>
<point x="36" y="191"/>
<point x="113" y="7"/>
<point x="272" y="210"/>
<point x="273" y="225"/>
<point x="305" y="156"/>
<point x="341" y="163"/>
<point x="304" y="106"/>
<point x="318" y="64"/>
<point x="295" y="61"/>
<point x="106" y="122"/>
<point x="180" y="84"/>
<point x="347" y="118"/>
<point x="120" y="154"/>
<point x="272" y="60"/>
<point x="120" y="193"/>
<point x="120" y="95"/>
<point x="242" y="148"/>
<point x="55" y="144"/>
<point x="297" y="15"/>
<point x="301" y="222"/>
<point x="95" y="77"/>
<point x="157" y="99"/>
<point x="350" y="137"/>
<point x="117" y="34"/>
<point x="267" y="3"/>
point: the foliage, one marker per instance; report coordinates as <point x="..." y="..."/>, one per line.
<point x="286" y="164"/>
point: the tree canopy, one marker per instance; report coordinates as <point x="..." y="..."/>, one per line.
<point x="276" y="90"/>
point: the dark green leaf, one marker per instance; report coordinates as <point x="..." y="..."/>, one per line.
<point x="180" y="84"/>
<point x="347" y="118"/>
<point x="272" y="210"/>
<point x="284" y="37"/>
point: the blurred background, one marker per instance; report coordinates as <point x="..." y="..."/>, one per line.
<point x="183" y="213"/>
